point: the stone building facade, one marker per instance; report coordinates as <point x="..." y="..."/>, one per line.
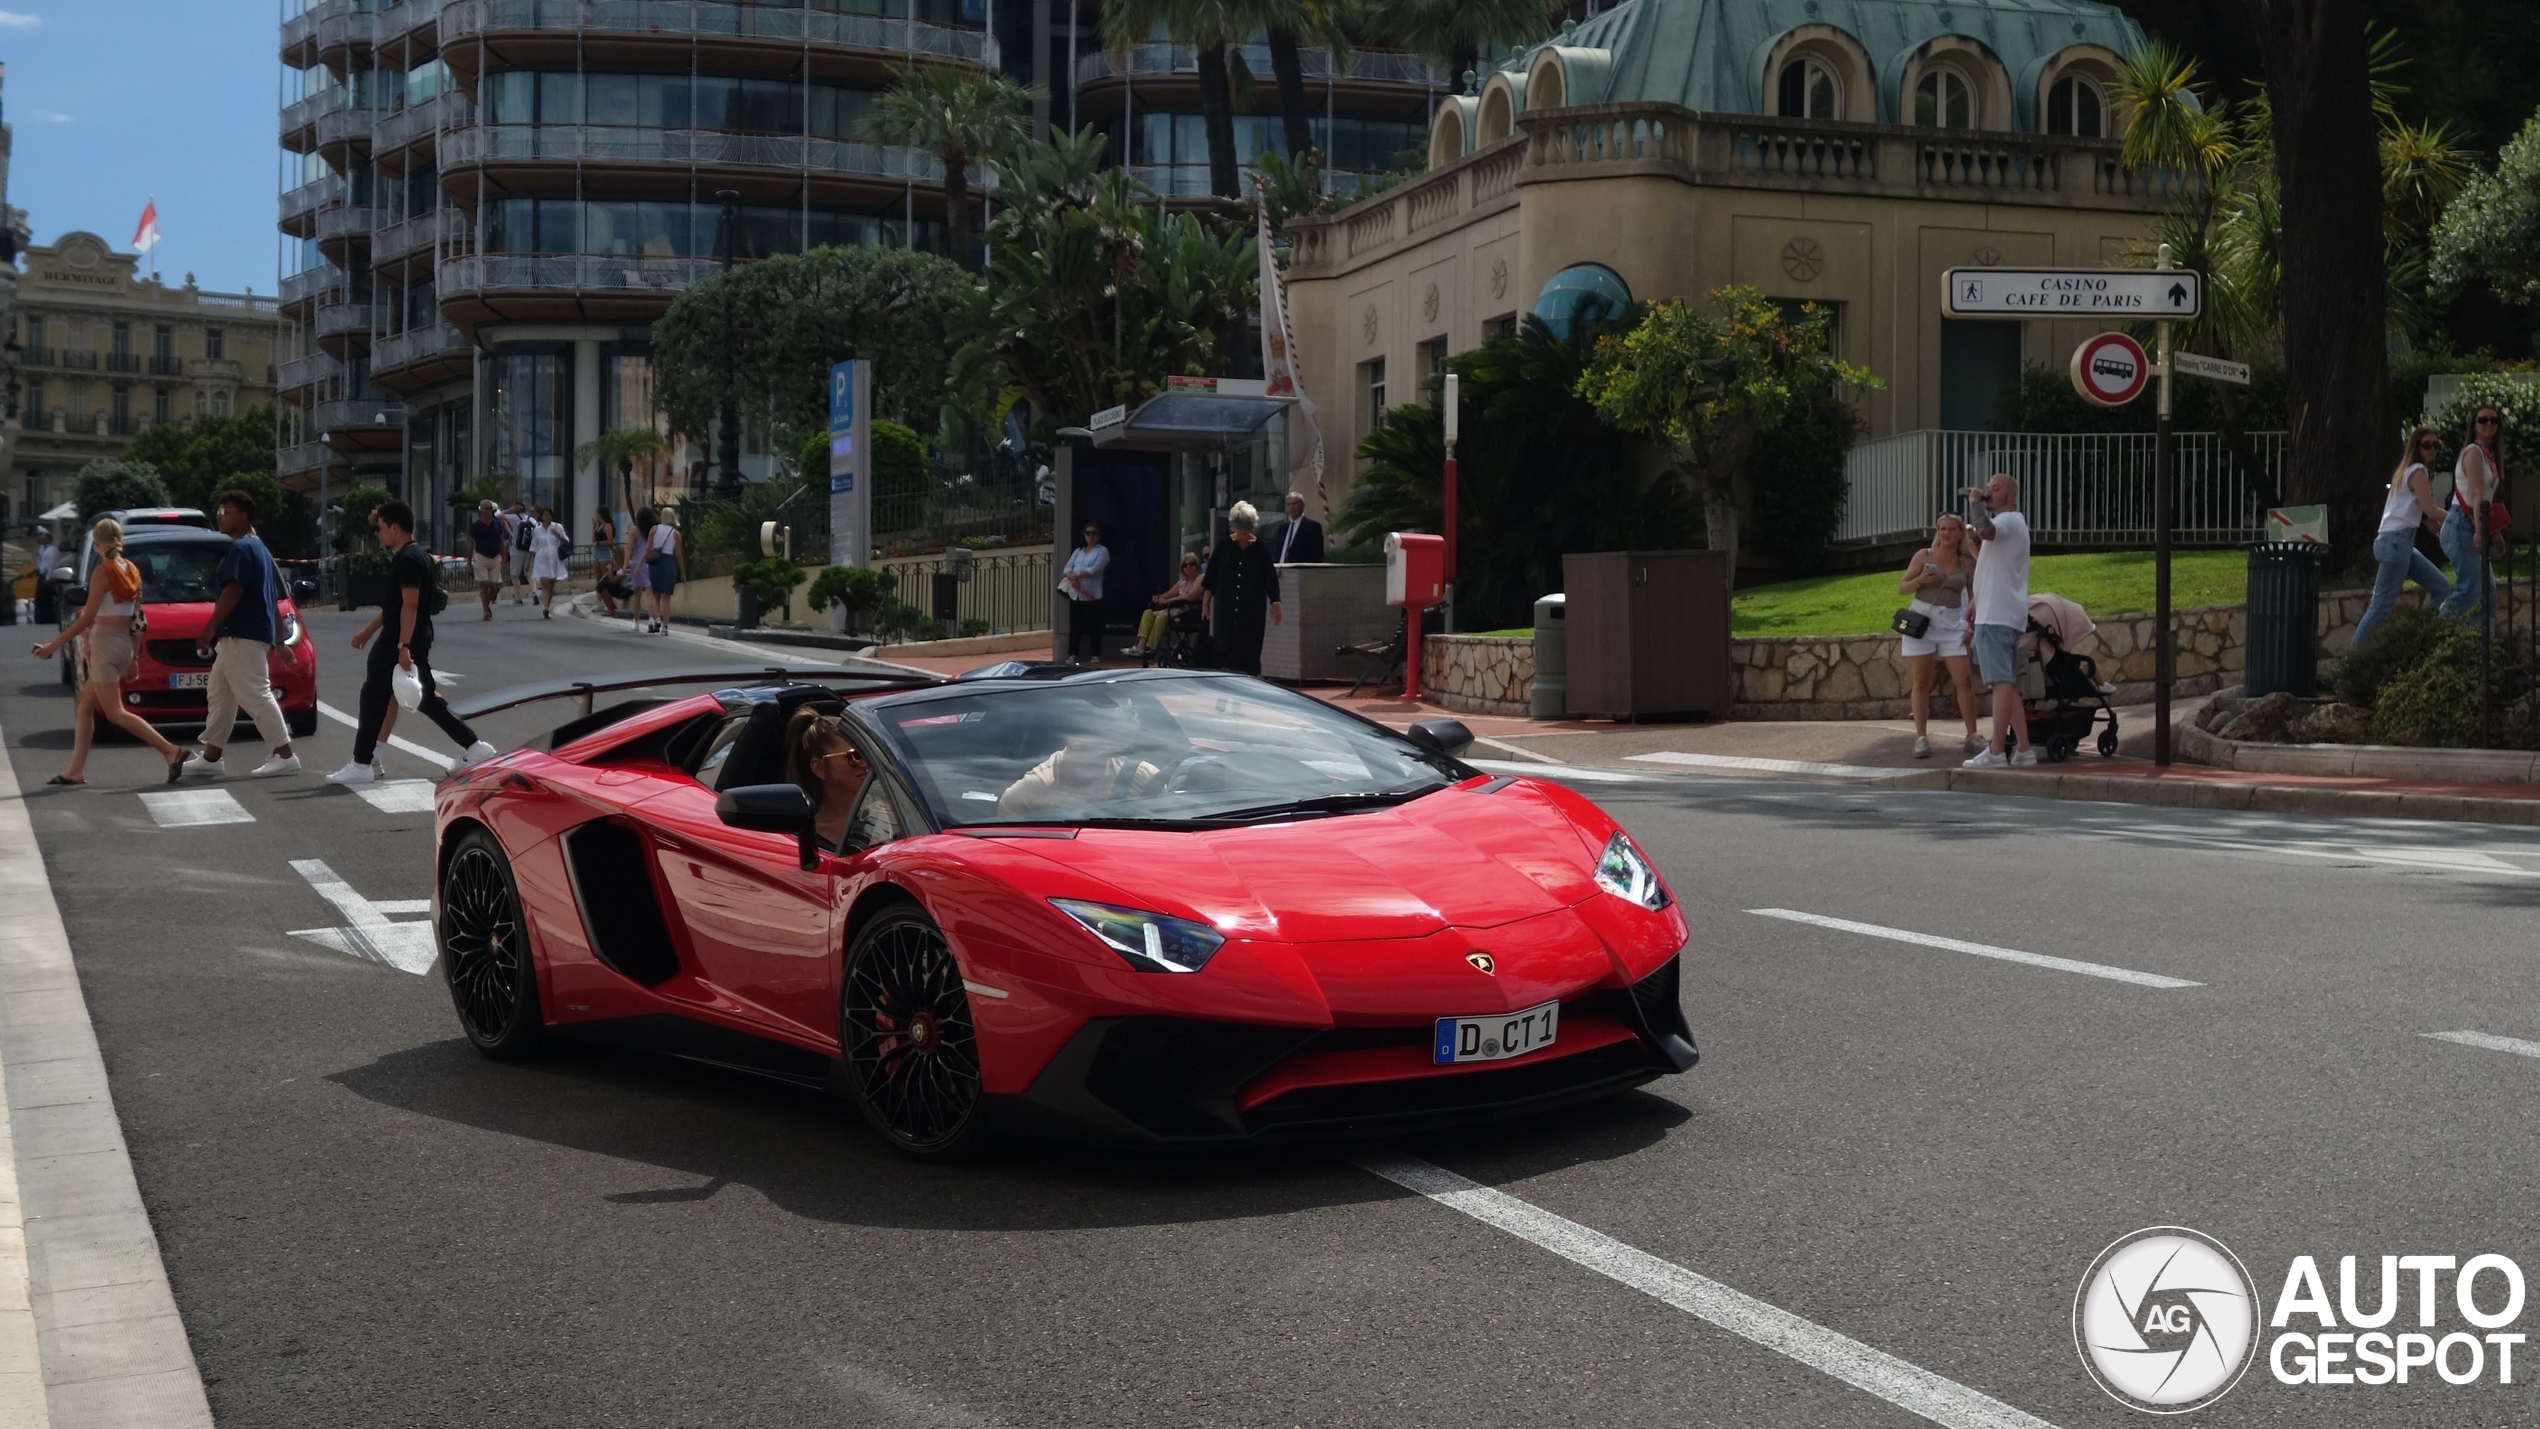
<point x="1844" y="154"/>
<point x="106" y="349"/>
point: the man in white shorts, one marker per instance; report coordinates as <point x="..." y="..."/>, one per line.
<point x="2001" y="617"/>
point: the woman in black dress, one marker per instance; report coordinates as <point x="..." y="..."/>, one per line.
<point x="1244" y="580"/>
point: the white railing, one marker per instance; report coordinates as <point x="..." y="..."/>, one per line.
<point x="566" y="273"/>
<point x="1159" y="58"/>
<point x="597" y="143"/>
<point x="2077" y="489"/>
<point x="705" y="19"/>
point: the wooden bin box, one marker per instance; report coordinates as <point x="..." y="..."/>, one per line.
<point x="1648" y="633"/>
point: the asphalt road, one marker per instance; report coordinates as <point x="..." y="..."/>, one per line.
<point x="1914" y="1146"/>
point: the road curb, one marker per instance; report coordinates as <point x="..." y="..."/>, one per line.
<point x="75" y="1241"/>
<point x="2241" y="798"/>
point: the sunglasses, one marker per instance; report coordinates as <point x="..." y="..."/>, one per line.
<point x="2484" y="422"/>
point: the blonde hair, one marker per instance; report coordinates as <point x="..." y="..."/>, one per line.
<point x="108" y="535"/>
<point x="1242" y="516"/>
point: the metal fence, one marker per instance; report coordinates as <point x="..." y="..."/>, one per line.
<point x="1006" y="593"/>
<point x="2077" y="489"/>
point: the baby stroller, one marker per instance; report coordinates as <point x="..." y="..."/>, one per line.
<point x="2072" y="700"/>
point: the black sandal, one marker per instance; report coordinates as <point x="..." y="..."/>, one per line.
<point x="65" y="779"/>
<point x="176" y="767"/>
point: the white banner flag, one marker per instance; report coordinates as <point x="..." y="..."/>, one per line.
<point x="1279" y="373"/>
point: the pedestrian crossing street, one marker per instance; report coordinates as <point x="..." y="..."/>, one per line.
<point x="198" y="808"/>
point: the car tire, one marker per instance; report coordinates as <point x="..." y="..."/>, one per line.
<point x="484" y="944"/>
<point x="910" y="1052"/>
<point x="301" y="723"/>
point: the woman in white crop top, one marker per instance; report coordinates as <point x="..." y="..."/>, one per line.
<point x="2409" y="509"/>
<point x="114" y="593"/>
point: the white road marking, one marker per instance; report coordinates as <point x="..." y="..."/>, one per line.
<point x="1907" y="1386"/>
<point x="2489" y="1041"/>
<point x="1982" y="950"/>
<point x="187" y="808"/>
<point x="1557" y="771"/>
<point x="398" y="796"/>
<point x="402" y="905"/>
<point x="407" y="947"/>
<point x="1748" y="764"/>
<point x="437" y="761"/>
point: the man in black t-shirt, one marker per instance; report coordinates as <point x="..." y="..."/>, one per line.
<point x="412" y="580"/>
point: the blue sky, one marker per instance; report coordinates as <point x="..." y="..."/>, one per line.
<point x="112" y="101"/>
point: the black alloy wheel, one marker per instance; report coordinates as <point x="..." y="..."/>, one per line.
<point x="904" y="1027"/>
<point x="485" y="950"/>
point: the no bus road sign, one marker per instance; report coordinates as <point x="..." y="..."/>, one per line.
<point x="2172" y="293"/>
<point x="2110" y="369"/>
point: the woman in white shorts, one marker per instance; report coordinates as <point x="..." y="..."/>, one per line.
<point x="549" y="542"/>
<point x="1936" y="580"/>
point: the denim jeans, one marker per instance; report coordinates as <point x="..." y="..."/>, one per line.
<point x="2472" y="588"/>
<point x="2400" y="562"/>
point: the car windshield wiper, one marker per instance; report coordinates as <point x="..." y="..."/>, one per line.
<point x="1327" y="804"/>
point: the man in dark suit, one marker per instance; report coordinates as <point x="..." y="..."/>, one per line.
<point x="1300" y="541"/>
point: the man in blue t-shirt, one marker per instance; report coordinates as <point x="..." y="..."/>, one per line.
<point x="238" y="638"/>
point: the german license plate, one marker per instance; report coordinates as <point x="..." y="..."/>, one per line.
<point x="1496" y="1037"/>
<point x="191" y="680"/>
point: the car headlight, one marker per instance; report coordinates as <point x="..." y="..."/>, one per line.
<point x="1150" y="942"/>
<point x="290" y="630"/>
<point x="1623" y="871"/>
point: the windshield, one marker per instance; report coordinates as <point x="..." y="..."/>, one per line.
<point x="173" y="571"/>
<point x="1175" y="750"/>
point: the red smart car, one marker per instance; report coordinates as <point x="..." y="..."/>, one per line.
<point x="177" y="553"/>
<point x="1125" y="906"/>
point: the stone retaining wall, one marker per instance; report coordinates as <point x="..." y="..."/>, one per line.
<point x="1862" y="676"/>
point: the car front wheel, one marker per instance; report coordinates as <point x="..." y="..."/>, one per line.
<point x="485" y="950"/>
<point x="904" y="1027"/>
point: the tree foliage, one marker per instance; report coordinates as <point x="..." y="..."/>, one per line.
<point x="286" y="520"/>
<point x="1094" y="294"/>
<point x="109" y="484"/>
<point x="1458" y="31"/>
<point x="1709" y="380"/>
<point x="961" y="116"/>
<point x="2517" y="402"/>
<point x="794" y="316"/>
<point x="1540" y="475"/>
<point x="2491" y="232"/>
<point x="197" y="458"/>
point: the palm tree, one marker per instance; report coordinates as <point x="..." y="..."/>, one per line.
<point x="959" y="116"/>
<point x="620" y="449"/>
<point x="1457" y="31"/>
<point x="1287" y="24"/>
<point x="1208" y="26"/>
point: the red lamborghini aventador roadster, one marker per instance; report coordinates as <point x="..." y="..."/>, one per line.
<point x="1140" y="905"/>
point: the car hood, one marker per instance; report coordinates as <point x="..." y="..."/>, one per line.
<point x="179" y="618"/>
<point x="1456" y="858"/>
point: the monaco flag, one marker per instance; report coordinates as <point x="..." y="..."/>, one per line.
<point x="146" y="237"/>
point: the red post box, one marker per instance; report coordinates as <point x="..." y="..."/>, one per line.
<point x="1415" y="579"/>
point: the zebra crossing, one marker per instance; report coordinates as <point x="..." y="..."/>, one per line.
<point x="201" y="808"/>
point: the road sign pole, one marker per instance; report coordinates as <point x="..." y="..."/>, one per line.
<point x="2164" y="516"/>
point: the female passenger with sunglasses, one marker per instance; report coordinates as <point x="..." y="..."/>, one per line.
<point x="824" y="764"/>
<point x="2409" y="508"/>
<point x="2465" y="533"/>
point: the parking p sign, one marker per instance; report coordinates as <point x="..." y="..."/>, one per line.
<point x="2110" y="369"/>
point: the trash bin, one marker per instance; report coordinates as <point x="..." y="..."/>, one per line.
<point x="2284" y="602"/>
<point x="1549" y="695"/>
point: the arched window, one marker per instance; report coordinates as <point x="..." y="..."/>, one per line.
<point x="1943" y="100"/>
<point x="2073" y="107"/>
<point x="1809" y="90"/>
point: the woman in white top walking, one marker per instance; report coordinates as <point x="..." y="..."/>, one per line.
<point x="662" y="564"/>
<point x="548" y="542"/>
<point x="1936" y="582"/>
<point x="2465" y="534"/>
<point x="2408" y="508"/>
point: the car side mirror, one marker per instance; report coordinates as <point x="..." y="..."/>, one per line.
<point x="304" y="590"/>
<point x="773" y="809"/>
<point x="62" y="575"/>
<point x="1441" y="736"/>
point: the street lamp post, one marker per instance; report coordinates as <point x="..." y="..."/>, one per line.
<point x="2164" y="517"/>
<point x="727" y="445"/>
<point x="1448" y="588"/>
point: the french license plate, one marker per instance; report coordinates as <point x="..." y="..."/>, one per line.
<point x="191" y="680"/>
<point x="1497" y="1037"/>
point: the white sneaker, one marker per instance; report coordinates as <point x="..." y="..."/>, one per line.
<point x="357" y="773"/>
<point x="278" y="764"/>
<point x="2025" y="759"/>
<point x="477" y="753"/>
<point x="195" y="763"/>
<point x="1922" y="747"/>
<point x="1986" y="759"/>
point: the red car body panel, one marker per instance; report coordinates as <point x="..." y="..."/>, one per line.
<point x="1347" y="936"/>
<point x="148" y="693"/>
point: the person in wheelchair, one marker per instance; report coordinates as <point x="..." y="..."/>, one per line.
<point x="1178" y="604"/>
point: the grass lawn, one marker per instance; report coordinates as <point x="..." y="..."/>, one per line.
<point x="2102" y="583"/>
